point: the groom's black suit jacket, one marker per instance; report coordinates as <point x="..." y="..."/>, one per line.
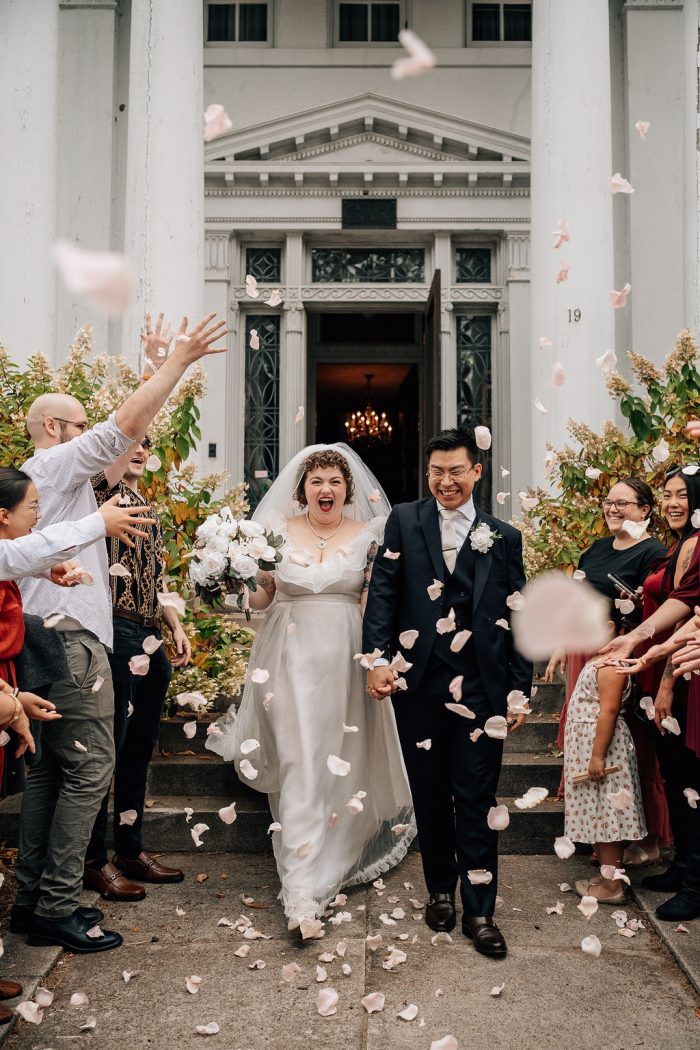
<point x="398" y="601"/>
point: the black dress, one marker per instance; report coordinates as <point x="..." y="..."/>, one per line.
<point x="631" y="566"/>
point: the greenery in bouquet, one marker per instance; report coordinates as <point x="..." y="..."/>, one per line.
<point x="181" y="499"/>
<point x="565" y="522"/>
<point x="228" y="554"/>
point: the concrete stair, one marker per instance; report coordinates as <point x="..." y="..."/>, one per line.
<point x="183" y="773"/>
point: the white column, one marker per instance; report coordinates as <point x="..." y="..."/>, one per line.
<point x="293" y="354"/>
<point x="85" y="134"/>
<point x="164" y="224"/>
<point x="571" y="169"/>
<point x="28" y="89"/>
<point x="222" y="408"/>
<point x="442" y="252"/>
<point x="658" y="224"/>
<point x="514" y="418"/>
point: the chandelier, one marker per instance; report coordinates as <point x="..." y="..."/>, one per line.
<point x="368" y="424"/>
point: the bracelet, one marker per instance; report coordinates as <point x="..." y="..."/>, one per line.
<point x="19" y="710"/>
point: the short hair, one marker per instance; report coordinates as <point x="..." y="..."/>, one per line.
<point x="319" y="461"/>
<point x="13" y="487"/>
<point x="455" y="437"/>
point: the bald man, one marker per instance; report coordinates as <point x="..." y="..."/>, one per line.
<point x="64" y="790"/>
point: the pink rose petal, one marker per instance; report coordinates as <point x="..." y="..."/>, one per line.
<point x="419" y="59"/>
<point x="216" y="122"/>
<point x="102" y="279"/>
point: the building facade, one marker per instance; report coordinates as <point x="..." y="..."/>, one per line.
<point x="407" y="223"/>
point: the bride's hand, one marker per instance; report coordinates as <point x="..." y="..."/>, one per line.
<point x="381" y="682"/>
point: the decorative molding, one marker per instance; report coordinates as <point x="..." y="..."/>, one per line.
<point x="400" y="145"/>
<point x="404" y="224"/>
<point x="364" y="293"/>
<point x="216" y="256"/>
<point x="87" y="5"/>
<point x="653" y="5"/>
<point x="481" y="294"/>
<point x="419" y="191"/>
<point x="518" y="256"/>
<point x="384" y="293"/>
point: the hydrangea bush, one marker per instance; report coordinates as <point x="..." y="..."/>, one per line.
<point x="182" y="501"/>
<point x="563" y="524"/>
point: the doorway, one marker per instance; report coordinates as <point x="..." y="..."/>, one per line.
<point x="388" y="347"/>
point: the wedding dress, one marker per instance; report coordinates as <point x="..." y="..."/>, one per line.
<point x="336" y="830"/>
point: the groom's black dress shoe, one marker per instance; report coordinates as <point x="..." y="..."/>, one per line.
<point x="487" y="937"/>
<point x="21" y="917"/>
<point x="440" y="913"/>
<point x="70" y="933"/>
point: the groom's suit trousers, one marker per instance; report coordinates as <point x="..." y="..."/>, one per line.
<point x="453" y="786"/>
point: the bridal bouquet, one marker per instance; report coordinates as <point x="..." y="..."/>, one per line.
<point x="227" y="556"/>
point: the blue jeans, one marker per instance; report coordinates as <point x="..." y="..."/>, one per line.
<point x="135" y="737"/>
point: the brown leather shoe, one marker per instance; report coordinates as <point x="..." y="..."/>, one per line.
<point x="487" y="937"/>
<point x="440" y="912"/>
<point x="111" y="883"/>
<point x="10" y="989"/>
<point x="146" y="868"/>
<point x="5" y="1014"/>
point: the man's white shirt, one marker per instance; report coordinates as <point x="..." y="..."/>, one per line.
<point x="35" y="554"/>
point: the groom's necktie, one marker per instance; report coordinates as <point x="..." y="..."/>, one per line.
<point x="449" y="538"/>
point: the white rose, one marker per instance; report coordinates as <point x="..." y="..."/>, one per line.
<point x="218" y="544"/>
<point x="234" y="549"/>
<point x="251" y="528"/>
<point x="213" y="563"/>
<point x="481" y="538"/>
<point x="229" y="528"/>
<point x="244" y="566"/>
<point x="260" y="549"/>
<point x="197" y="573"/>
<point x="209" y="528"/>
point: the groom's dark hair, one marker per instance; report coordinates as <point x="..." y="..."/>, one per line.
<point x="456" y="437"/>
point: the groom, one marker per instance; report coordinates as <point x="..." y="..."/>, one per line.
<point x="456" y="567"/>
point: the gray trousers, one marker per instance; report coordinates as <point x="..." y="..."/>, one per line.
<point x="66" y="787"/>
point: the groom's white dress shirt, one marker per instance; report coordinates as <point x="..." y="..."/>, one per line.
<point x="462" y="519"/>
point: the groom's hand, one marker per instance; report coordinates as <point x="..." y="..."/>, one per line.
<point x="519" y="721"/>
<point x="381" y="682"/>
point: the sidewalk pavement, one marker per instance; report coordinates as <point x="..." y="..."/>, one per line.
<point x="554" y="995"/>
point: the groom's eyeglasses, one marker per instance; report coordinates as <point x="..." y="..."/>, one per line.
<point x="456" y="473"/>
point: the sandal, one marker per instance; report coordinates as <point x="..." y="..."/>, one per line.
<point x="639" y="858"/>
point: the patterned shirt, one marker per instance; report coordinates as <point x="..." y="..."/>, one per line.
<point x="136" y="593"/>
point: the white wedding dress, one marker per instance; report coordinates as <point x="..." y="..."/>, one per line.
<point x="313" y="706"/>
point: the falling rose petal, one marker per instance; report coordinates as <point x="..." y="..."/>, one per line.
<point x="94" y="932"/>
<point x="455" y="687"/>
<point x="102" y="279"/>
<point x="171" y="600"/>
<point x="128" y="817"/>
<point x="496" y="727"/>
<point x="79" y="746"/>
<point x="251" y="287"/>
<point x="621" y="799"/>
<point x="607" y="361"/>
<point x="661" y="451"/>
<point x="619" y="299"/>
<point x="474" y="736"/>
<point x="392" y="555"/>
<point x="460" y="640"/>
<point x="425" y="744"/>
<point x="350" y="729"/>
<point x="400" y="664"/>
<point x="399" y="829"/>
<point x="518" y="703"/>
<point x="30" y="1012"/>
<point x="374" y="496"/>
<point x="97" y="684"/>
<point x="338" y="766"/>
<point x="671" y="724"/>
<point x="249" y="745"/>
<point x="118" y="570"/>
<point x="53" y="620"/>
<point x="153" y="464"/>
<point x="43" y="997"/>
<point x="532" y="797"/>
<point x="498" y="818"/>
<point x="448" y="1042"/>
<point x="418" y="60"/>
<point x="228" y="813"/>
<point x="327" y="1002"/>
<point x="300" y="414"/>
<point x="259" y="675"/>
<point x="216" y="122"/>
<point x="692" y="796"/>
<point x="374" y="1002"/>
<point x="409" y="1013"/>
<point x="635" y="529"/>
<point x="690" y="470"/>
<point x="482" y="436"/>
<point x="275" y="298"/>
<point x="625" y="605"/>
<point x="188" y="811"/>
<point x="355" y="805"/>
<point x="618" y="184"/>
<point x="564" y="848"/>
<point x="591" y="945"/>
<point x="561" y="235"/>
<point x="408" y="638"/>
<point x="563" y="274"/>
<point x="501" y="497"/>
<point x="193" y="984"/>
<point x="254" y="339"/>
<point x="558" y="374"/>
<point x="556" y="909"/>
<point x="435" y="590"/>
<point x="480" y="877"/>
<point x="196" y="831"/>
<point x="642" y="127"/>
<point x="528" y="502"/>
<point x="496" y="991"/>
<point x="190" y="730"/>
<point x="303" y="850"/>
<point x="211" y="1028"/>
<point x="560" y="613"/>
<point x="368" y="659"/>
<point x="248" y="769"/>
<point x="151" y="644"/>
<point x="593" y="473"/>
<point x="139" y="664"/>
<point x="540" y="407"/>
<point x="446" y="624"/>
<point x="460" y="709"/>
<point x="588" y="906"/>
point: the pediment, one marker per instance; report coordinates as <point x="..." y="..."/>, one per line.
<point x="361" y="127"/>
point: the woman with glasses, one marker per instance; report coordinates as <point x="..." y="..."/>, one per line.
<point x="628" y="558"/>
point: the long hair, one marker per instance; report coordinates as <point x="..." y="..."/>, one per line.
<point x="13" y="487"/>
<point x="692" y="486"/>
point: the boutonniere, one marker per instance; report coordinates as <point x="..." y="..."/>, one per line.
<point x="482" y="538"/>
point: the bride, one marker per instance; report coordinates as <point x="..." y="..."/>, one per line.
<point x="327" y="756"/>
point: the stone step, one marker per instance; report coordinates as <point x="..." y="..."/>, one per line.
<point x="549" y="698"/>
<point x="165" y="826"/>
<point x="200" y="775"/>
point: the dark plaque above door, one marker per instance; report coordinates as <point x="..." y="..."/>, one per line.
<point x="369" y="213"/>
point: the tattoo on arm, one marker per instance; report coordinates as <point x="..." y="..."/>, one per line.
<point x="265" y="580"/>
<point x="668" y="670"/>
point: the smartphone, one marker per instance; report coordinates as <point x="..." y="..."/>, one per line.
<point x="624" y="588"/>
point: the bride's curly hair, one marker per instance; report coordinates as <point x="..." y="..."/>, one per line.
<point x="320" y="461"/>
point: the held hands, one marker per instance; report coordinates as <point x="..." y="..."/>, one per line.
<point x="190" y="346"/>
<point x="381" y="682"/>
<point x="122" y="522"/>
<point x="183" y="647"/>
<point x="596" y="769"/>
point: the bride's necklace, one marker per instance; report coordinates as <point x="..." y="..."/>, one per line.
<point x="322" y="541"/>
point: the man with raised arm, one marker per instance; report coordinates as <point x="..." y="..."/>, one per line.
<point x="65" y="789"/>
